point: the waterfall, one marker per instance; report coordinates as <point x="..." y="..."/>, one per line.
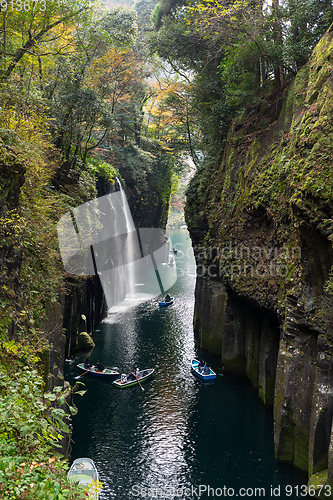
<point x="130" y="245"/>
<point x="100" y="237"/>
<point x="122" y="251"/>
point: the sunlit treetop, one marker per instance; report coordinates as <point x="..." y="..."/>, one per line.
<point x="52" y="27"/>
<point x="212" y="9"/>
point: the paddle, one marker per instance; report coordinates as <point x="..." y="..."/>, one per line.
<point x="79" y="376"/>
<point x="139" y="383"/>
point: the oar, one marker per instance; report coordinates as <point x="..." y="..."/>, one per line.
<point x="139" y="383"/>
<point x="79" y="376"/>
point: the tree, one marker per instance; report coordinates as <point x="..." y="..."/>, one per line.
<point x="83" y="113"/>
<point x="29" y="32"/>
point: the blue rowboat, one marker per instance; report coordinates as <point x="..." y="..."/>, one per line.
<point x="195" y="370"/>
<point x="165" y="303"/>
<point x="107" y="372"/>
<point x="83" y="471"/>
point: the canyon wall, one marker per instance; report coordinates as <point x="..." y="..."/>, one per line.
<point x="261" y="225"/>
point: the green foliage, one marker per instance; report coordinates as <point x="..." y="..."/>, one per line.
<point x="72" y="92"/>
<point x="32" y="424"/>
<point x="31" y="28"/>
<point x="329" y="283"/>
<point x="120" y="24"/>
<point x="236" y="54"/>
<point x="236" y="72"/>
<point x="307" y="22"/>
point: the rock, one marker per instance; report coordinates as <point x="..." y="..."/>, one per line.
<point x="85" y="341"/>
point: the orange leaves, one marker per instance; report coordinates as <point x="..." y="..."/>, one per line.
<point x="166" y="111"/>
<point x="114" y="74"/>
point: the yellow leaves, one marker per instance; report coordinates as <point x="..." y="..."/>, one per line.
<point x="116" y="65"/>
<point x="94" y="488"/>
<point x="11" y="348"/>
<point x="114" y="75"/>
<point x="12" y="223"/>
<point x="206" y="11"/>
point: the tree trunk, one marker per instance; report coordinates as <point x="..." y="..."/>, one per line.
<point x="277" y="36"/>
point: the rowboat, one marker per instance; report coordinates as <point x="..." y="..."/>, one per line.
<point x="107" y="372"/>
<point x="83" y="470"/>
<point x="165" y="303"/>
<point x="125" y="380"/>
<point x="195" y="369"/>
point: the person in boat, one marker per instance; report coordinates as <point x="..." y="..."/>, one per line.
<point x="167" y="298"/>
<point x="87" y="364"/>
<point x="206" y="370"/>
<point x="201" y="365"/>
<point x="100" y="367"/>
<point x="134" y="374"/>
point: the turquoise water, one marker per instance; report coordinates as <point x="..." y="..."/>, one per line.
<point x="179" y="432"/>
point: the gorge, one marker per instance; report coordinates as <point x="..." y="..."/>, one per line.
<point x="95" y="97"/>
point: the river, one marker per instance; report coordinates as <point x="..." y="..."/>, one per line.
<point x="179" y="432"/>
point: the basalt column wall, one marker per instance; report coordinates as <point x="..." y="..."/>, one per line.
<point x="245" y="338"/>
<point x="289" y="364"/>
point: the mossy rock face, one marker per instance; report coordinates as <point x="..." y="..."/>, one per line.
<point x="270" y="186"/>
<point x="273" y="190"/>
<point x="319" y="487"/>
<point x="44" y="366"/>
<point x="85" y="342"/>
<point x="267" y="393"/>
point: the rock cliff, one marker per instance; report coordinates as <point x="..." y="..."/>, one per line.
<point x="261" y="224"/>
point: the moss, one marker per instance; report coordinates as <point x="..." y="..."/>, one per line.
<point x="301" y="449"/>
<point x="44" y="366"/>
<point x="85" y="341"/>
<point x="317" y="482"/>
